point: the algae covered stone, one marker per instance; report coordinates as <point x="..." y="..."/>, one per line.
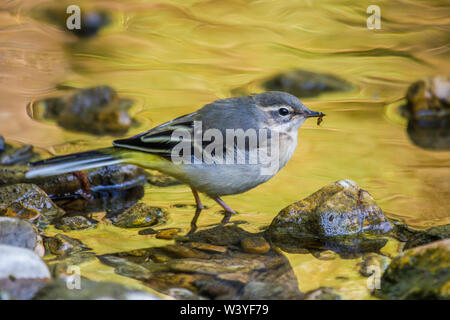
<point x="341" y="217"/>
<point x="139" y="215"/>
<point x="28" y="202"/>
<point x="419" y="273"/>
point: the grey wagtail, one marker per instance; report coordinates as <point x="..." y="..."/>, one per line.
<point x="236" y="166"/>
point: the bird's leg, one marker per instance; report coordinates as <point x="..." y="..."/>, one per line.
<point x="85" y="184"/>
<point x="228" y="210"/>
<point x="198" y="209"/>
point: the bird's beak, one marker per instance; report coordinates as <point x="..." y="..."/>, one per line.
<point x="312" y="114"/>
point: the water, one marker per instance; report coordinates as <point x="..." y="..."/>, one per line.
<point x="173" y="57"/>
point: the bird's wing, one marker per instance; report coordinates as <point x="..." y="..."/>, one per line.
<point x="159" y="140"/>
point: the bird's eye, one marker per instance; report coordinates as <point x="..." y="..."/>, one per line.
<point x="283" y="111"/>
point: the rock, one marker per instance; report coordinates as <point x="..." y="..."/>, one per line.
<point x="139" y="215"/>
<point x="428" y="113"/>
<point x="322" y="293"/>
<point x="28" y="202"/>
<point x="305" y="84"/>
<point x="210" y="264"/>
<point x="414" y="238"/>
<point x="340" y="217"/>
<point x="167" y="234"/>
<point x="257" y="290"/>
<point x="91" y="290"/>
<point x="16" y="154"/>
<point x="148" y="231"/>
<point x="424" y="237"/>
<point x="97" y="110"/>
<point x="22" y="272"/>
<point x="20" y="233"/>
<point x="74" y="223"/>
<point x="255" y="245"/>
<point x="61" y="244"/>
<point x="110" y="178"/>
<point x="418" y="273"/>
<point x="207" y="247"/>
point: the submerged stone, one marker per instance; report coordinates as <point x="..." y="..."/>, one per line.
<point x="210" y="264"/>
<point x="167" y="234"/>
<point x="414" y="238"/>
<point x="74" y="223"/>
<point x="255" y="245"/>
<point x="341" y="217"/>
<point x="419" y="273"/>
<point x="60" y="244"/>
<point x="28" y="202"/>
<point x="322" y="293"/>
<point x="303" y="83"/>
<point x="97" y="110"/>
<point x="139" y="215"/>
<point x="90" y="290"/>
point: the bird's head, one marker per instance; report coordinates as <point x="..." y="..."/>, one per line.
<point x="283" y="110"/>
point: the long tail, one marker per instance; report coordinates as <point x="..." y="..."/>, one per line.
<point x="75" y="162"/>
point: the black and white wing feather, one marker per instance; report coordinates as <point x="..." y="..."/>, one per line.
<point x="160" y="140"/>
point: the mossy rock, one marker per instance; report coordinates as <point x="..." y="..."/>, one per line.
<point x="419" y="273"/>
<point x="140" y="215"/>
<point x="341" y="217"/>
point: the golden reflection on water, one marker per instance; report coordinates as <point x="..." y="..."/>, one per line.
<point x="172" y="57"/>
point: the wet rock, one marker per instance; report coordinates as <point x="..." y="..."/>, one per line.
<point x="257" y="290"/>
<point x="167" y="234"/>
<point x="20" y="233"/>
<point x="255" y="245"/>
<point x="148" y="231"/>
<point x="210" y="263"/>
<point x="28" y="202"/>
<point x="105" y="179"/>
<point x="16" y="154"/>
<point x="322" y="293"/>
<point x="74" y="223"/>
<point x="207" y="247"/>
<point x="303" y="83"/>
<point x="61" y="244"/>
<point x="22" y="272"/>
<point x="419" y="273"/>
<point x="430" y="235"/>
<point x="97" y="110"/>
<point x="139" y="215"/>
<point x="91" y="290"/>
<point x="414" y="238"/>
<point x="341" y="217"/>
<point x="428" y="113"/>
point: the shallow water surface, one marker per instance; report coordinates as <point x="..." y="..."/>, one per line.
<point x="173" y="57"/>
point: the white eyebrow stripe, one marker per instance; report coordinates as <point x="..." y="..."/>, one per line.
<point x="273" y="108"/>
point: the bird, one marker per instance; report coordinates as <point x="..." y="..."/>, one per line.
<point x="229" y="168"/>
